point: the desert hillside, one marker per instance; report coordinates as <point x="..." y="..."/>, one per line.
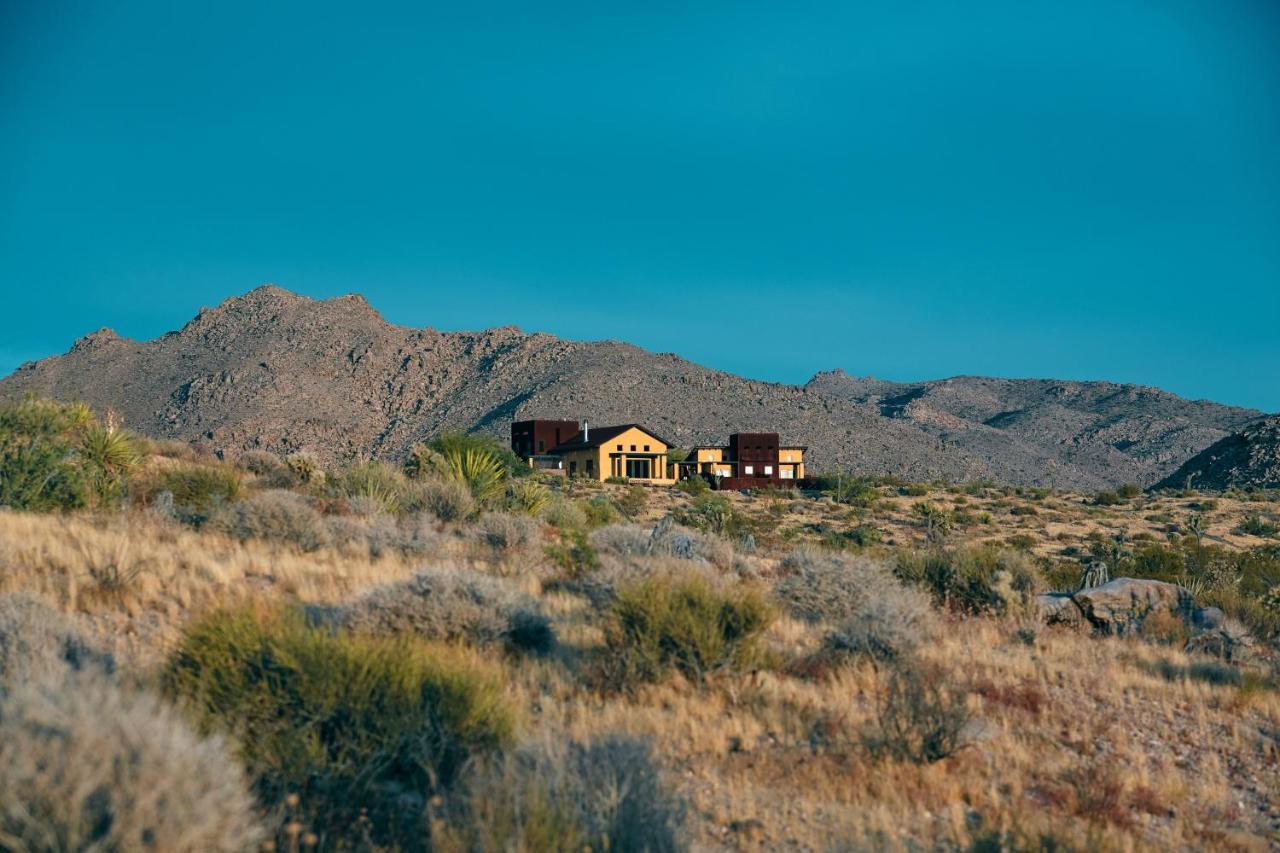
<point x="275" y="371"/>
<point x="458" y="654"/>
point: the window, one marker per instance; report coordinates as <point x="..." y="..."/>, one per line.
<point x="542" y="445"/>
<point x="748" y="470"/>
<point x="786" y="474"/>
<point x="590" y="465"/>
<point x="768" y="470"/>
<point x="646" y="448"/>
<point x="619" y="446"/>
<point x="573" y="468"/>
<point x="633" y="448"/>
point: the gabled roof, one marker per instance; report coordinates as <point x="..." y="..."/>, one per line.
<point x="602" y="435"/>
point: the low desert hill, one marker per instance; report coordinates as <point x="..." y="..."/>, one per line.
<point x="1249" y="458"/>
<point x="278" y="371"/>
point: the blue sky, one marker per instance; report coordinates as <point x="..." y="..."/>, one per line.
<point x="911" y="190"/>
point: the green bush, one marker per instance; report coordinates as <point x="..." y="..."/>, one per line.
<point x="599" y="511"/>
<point x="353" y="724"/>
<point x="974" y="580"/>
<point x="1107" y="498"/>
<point x="574" y="553"/>
<point x="198" y="489"/>
<point x="607" y="794"/>
<point x="564" y="514"/>
<point x="714" y="513"/>
<point x="694" y="486"/>
<point x="275" y="516"/>
<point x="1256" y="525"/>
<point x="58" y="457"/>
<point x="1129" y="491"/>
<point x="527" y="496"/>
<point x="687" y="624"/>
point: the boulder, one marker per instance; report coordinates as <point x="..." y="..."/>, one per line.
<point x="1229" y="640"/>
<point x="1058" y="608"/>
<point x="1120" y="606"/>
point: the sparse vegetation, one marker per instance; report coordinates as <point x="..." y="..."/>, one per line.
<point x="675" y="683"/>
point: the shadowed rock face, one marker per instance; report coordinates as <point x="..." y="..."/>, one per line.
<point x="277" y="371"/>
<point x="1248" y="458"/>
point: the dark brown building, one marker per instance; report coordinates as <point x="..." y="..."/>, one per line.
<point x="534" y="438"/>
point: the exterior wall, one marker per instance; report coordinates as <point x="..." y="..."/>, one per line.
<point x="755" y="452"/>
<point x="792" y="458"/>
<point x="538" y="437"/>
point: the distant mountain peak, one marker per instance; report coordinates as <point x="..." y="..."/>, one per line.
<point x="272" y="369"/>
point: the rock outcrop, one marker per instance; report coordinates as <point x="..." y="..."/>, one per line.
<point x="1247" y="459"/>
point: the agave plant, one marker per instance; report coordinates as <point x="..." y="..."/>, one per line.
<point x="479" y="468"/>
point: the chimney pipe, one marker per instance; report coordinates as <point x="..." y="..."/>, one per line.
<point x="586" y="432"/>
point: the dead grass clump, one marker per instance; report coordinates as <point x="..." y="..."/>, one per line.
<point x="505" y="533"/>
<point x="88" y="766"/>
<point x="38" y="642"/>
<point x="454" y="604"/>
<point x="920" y="717"/>
<point x="277" y="516"/>
<point x="604" y="794"/>
<point x="828" y="587"/>
<point x="667" y="539"/>
<point x="446" y="499"/>
<point x="886" y="624"/>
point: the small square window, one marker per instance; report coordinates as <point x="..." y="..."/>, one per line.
<point x="619" y="446"/>
<point x="633" y="448"/>
<point x="748" y="470"/>
<point x="646" y="448"/>
<point x="768" y="470"/>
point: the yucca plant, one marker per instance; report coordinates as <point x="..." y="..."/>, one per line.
<point x="111" y="454"/>
<point x="479" y="468"/>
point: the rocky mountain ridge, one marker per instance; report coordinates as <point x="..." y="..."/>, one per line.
<point x="278" y="371"/>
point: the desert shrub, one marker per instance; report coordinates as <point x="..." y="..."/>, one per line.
<point x="479" y="462"/>
<point x="262" y="463"/>
<point x="304" y="466"/>
<point x="633" y="500"/>
<point x="1107" y="498"/>
<point x="109" y="455"/>
<point x="871" y="612"/>
<point x="276" y="516"/>
<point x="356" y="725"/>
<point x="88" y="766"/>
<point x="606" y="794"/>
<point x="694" y="486"/>
<point x="453" y="604"/>
<point x="38" y="642"/>
<point x="920" y="717"/>
<point x="506" y="533"/>
<point x="527" y="496"/>
<point x="198" y="489"/>
<point x="599" y="511"/>
<point x="447" y="500"/>
<point x="976" y="580"/>
<point x="1255" y="525"/>
<point x="621" y="539"/>
<point x="40" y="466"/>
<point x="564" y="514"/>
<point x="714" y="513"/>
<point x="573" y="553"/>
<point x="665" y="539"/>
<point x="1129" y="491"/>
<point x="684" y="623"/>
<point x="370" y="486"/>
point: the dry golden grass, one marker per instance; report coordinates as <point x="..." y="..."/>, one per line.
<point x="1103" y="744"/>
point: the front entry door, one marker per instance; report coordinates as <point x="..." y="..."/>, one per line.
<point x="638" y="469"/>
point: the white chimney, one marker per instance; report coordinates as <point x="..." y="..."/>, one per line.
<point x="586" y="432"/>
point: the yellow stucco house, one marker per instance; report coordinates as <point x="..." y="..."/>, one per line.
<point x="629" y="451"/>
